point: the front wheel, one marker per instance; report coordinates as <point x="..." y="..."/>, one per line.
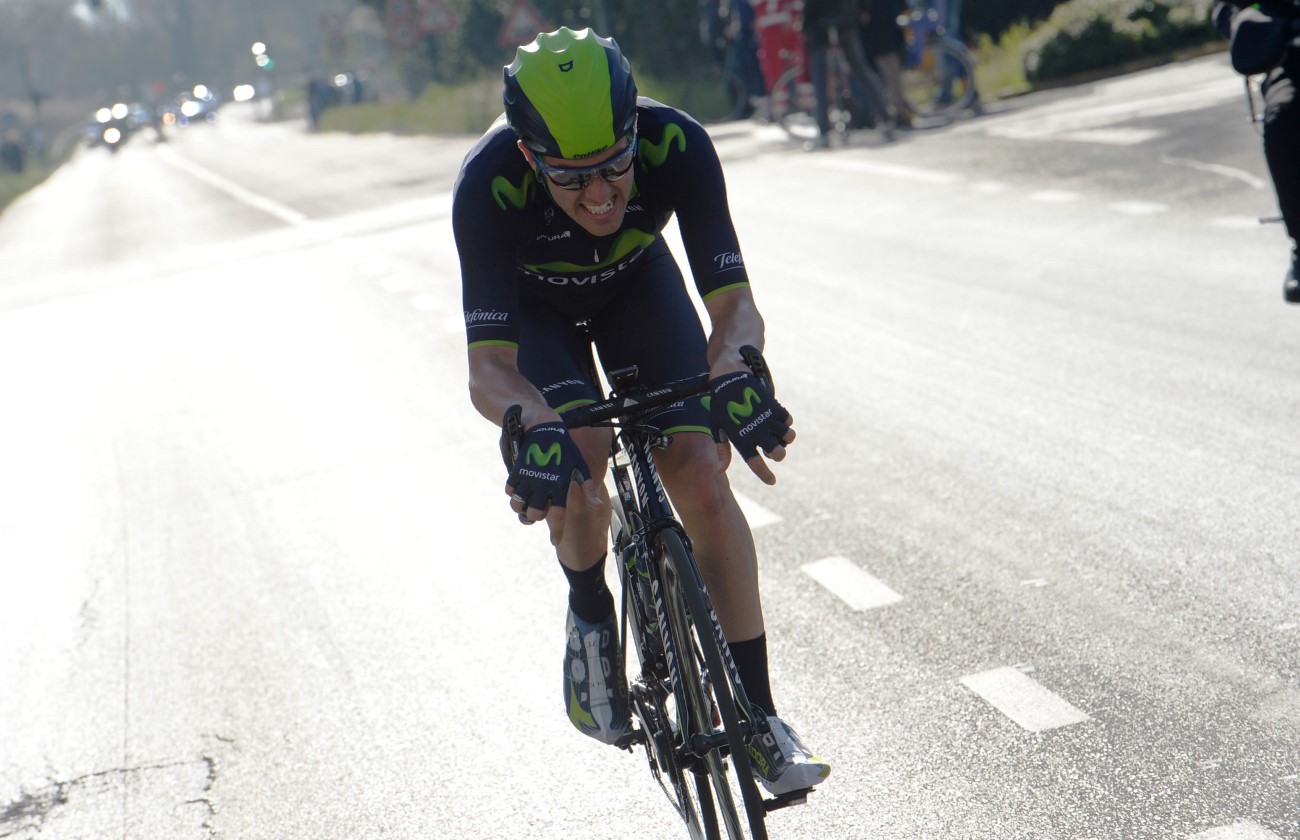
<point x="711" y="730"/>
<point x="792" y="103"/>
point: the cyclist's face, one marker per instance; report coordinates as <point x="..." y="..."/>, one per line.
<point x="599" y="206"/>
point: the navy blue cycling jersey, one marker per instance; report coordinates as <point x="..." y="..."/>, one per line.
<point x="514" y="240"/>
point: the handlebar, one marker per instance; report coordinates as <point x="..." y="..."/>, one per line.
<point x="627" y="401"/>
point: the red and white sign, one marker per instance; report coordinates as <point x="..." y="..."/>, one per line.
<point x="434" y="17"/>
<point x="521" y="25"/>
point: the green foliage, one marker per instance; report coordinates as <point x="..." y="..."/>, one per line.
<point x="14" y="184"/>
<point x="1086" y="35"/>
<point x="660" y="38"/>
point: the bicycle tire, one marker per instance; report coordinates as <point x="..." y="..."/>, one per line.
<point x="647" y="696"/>
<point x="715" y="94"/>
<point x="706" y="688"/>
<point x="923" y="84"/>
<point x="792" y="104"/>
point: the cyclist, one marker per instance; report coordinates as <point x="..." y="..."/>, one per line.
<point x="1266" y="39"/>
<point x="557" y="213"/>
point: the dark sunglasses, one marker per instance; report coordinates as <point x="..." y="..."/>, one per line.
<point x="578" y="178"/>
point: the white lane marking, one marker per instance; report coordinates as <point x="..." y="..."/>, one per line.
<point x="1245" y="830"/>
<point x="1217" y="169"/>
<point x="757" y="515"/>
<point x="989" y="187"/>
<point x="1054" y="196"/>
<point x="1019" y="697"/>
<point x="1236" y="222"/>
<point x="851" y="584"/>
<point x="230" y="188"/>
<point x="1138" y="208"/>
<point x="1080" y="119"/>
<point x="1111" y="136"/>
<point x="890" y="170"/>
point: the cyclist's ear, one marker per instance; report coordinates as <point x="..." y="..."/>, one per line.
<point x="528" y="154"/>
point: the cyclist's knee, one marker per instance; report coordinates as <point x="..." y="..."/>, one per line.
<point x="691" y="473"/>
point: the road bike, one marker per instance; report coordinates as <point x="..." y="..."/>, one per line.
<point x="714" y="93"/>
<point x="690" y="711"/>
<point x="938" y="77"/>
<point x="792" y="102"/>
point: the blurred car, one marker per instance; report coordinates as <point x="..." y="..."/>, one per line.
<point x="112" y="125"/>
<point x="200" y="104"/>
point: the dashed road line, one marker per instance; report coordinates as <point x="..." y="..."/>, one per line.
<point x="1018" y="696"/>
<point x="1217" y="169"/>
<point x="757" y="515"/>
<point x="1138" y="208"/>
<point x="1245" y="830"/>
<point x="1054" y="196"/>
<point x="851" y="583"/>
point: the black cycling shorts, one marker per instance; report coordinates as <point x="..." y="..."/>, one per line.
<point x="646" y="319"/>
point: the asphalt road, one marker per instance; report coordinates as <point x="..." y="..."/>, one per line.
<point x="1030" y="571"/>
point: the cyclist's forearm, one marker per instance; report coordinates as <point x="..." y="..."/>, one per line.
<point x="495" y="384"/>
<point x="736" y="322"/>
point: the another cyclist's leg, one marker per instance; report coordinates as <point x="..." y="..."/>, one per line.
<point x="555" y="356"/>
<point x="1281" y="142"/>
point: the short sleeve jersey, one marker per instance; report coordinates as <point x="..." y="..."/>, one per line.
<point x="514" y="241"/>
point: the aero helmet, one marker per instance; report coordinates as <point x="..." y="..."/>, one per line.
<point x="570" y="94"/>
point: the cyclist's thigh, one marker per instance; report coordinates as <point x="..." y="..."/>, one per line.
<point x="652" y="323"/>
<point x="555" y="355"/>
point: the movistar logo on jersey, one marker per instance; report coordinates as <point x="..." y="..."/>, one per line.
<point x="536" y="457"/>
<point x="743" y="411"/>
<point x="656" y="153"/>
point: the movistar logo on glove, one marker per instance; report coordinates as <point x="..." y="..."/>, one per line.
<point x="535" y="455"/>
<point x="738" y="411"/>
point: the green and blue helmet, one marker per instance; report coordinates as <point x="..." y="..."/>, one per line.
<point x="570" y="94"/>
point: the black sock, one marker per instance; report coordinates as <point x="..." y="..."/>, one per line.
<point x="751" y="663"/>
<point x="589" y="597"/>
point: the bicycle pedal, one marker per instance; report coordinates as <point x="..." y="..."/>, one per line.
<point x="785" y="800"/>
<point x="630" y="739"/>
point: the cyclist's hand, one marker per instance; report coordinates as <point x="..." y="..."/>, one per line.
<point x="547" y="464"/>
<point x="751" y="418"/>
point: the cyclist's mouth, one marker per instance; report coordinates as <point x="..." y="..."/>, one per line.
<point x="601" y="211"/>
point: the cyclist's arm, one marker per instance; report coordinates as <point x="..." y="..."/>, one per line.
<point x="495" y="384"/>
<point x="735" y="322"/>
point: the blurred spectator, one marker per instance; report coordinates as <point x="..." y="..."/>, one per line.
<point x="732" y="36"/>
<point x="12" y="156"/>
<point x="1265" y="38"/>
<point x="780" y="44"/>
<point x="883" y="41"/>
<point x="827" y="21"/>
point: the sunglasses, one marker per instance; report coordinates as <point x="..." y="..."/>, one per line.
<point x="578" y="178"/>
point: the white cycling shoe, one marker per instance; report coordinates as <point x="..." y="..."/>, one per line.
<point x="781" y="762"/>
